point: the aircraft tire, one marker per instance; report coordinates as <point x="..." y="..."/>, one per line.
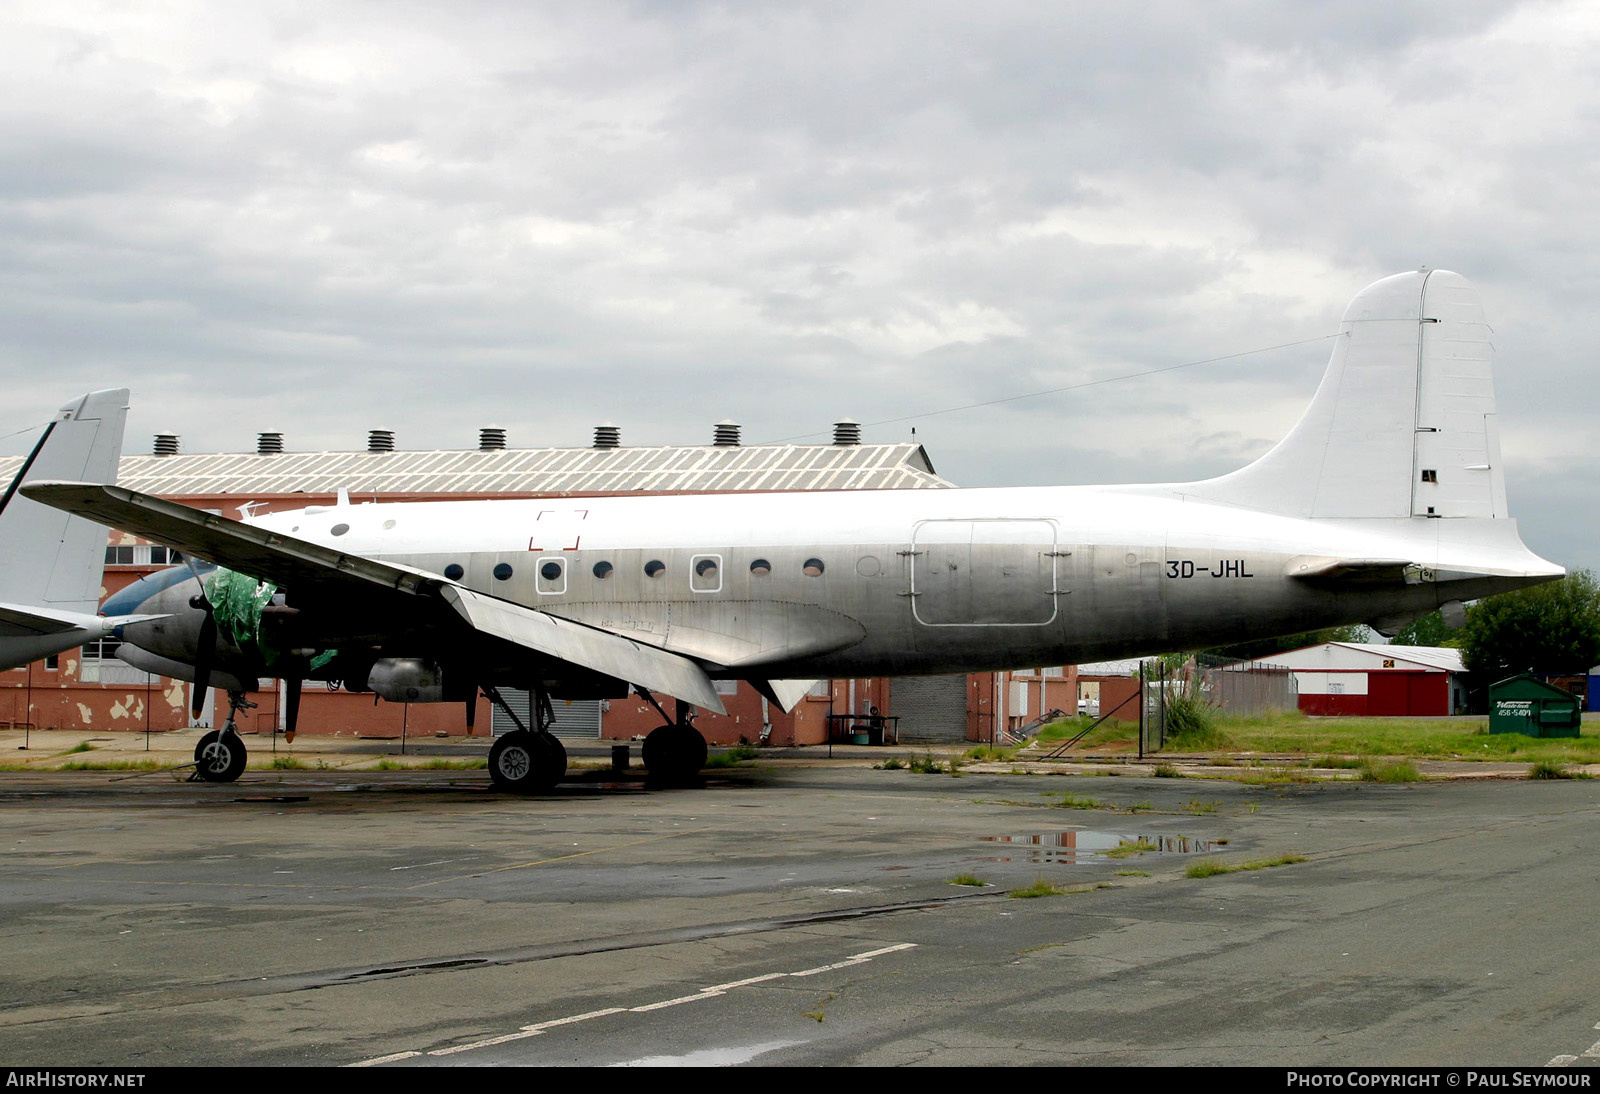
<point x="220" y="756"/>
<point x="527" y="763"/>
<point x="673" y="754"/>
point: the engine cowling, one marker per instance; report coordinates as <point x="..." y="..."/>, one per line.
<point x="407" y="680"/>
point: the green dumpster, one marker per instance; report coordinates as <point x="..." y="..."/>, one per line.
<point x="1526" y="704"/>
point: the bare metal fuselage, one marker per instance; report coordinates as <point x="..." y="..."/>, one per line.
<point x="912" y="582"/>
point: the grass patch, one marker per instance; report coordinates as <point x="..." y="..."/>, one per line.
<point x="478" y="764"/>
<point x="1128" y="848"/>
<point x="732" y="757"/>
<point x="109" y="765"/>
<point x="1167" y="771"/>
<point x="969" y="879"/>
<point x="1549" y="769"/>
<point x="1194" y="725"/>
<point x="81" y="746"/>
<point x="893" y="763"/>
<point x="927" y="765"/>
<point x="287" y="763"/>
<point x="1344" y="741"/>
<point x="1141" y="807"/>
<point x="1395" y="771"/>
<point x="1074" y="801"/>
<point x="1133" y="873"/>
<point x="990" y="753"/>
<point x="1210" y="867"/>
<point x="1111" y="732"/>
<point x="1039" y="888"/>
<point x="1197" y="806"/>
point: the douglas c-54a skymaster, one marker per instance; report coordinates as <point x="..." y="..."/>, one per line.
<point x="1384" y="502"/>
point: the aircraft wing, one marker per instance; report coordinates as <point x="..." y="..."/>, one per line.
<point x="296" y="564"/>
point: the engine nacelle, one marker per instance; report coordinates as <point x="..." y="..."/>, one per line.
<point x="407" y="680"/>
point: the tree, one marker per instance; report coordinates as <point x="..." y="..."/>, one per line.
<point x="1430" y="630"/>
<point x="1552" y="628"/>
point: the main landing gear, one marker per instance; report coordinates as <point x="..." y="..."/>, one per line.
<point x="674" y="753"/>
<point x="220" y="756"/>
<point x="527" y="761"/>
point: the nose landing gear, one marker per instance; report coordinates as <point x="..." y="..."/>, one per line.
<point x="220" y="756"/>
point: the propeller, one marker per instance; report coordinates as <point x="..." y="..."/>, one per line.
<point x="206" y="644"/>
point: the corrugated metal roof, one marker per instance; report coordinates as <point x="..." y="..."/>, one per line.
<point x="532" y="470"/>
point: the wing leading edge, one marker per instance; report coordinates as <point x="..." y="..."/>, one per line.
<point x="294" y="563"/>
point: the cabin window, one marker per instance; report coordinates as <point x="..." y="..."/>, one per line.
<point x="454" y="571"/>
<point x="1430" y="475"/>
<point x="760" y="567"/>
<point x="654" y="568"/>
<point x="502" y="572"/>
<point x="339" y="529"/>
<point x="552" y="576"/>
<point x="813" y="567"/>
<point x="707" y="574"/>
<point x="602" y="570"/>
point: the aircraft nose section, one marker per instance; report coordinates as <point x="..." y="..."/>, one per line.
<point x="129" y="601"/>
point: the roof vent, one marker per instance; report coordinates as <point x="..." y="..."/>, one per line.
<point x="607" y="435"/>
<point x="166" y="444"/>
<point x="491" y="438"/>
<point x="269" y="444"/>
<point x="847" y="431"/>
<point x="725" y="434"/>
<point x="380" y="440"/>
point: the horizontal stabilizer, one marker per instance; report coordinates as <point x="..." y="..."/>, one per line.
<point x="1349" y="572"/>
<point x="30" y="619"/>
<point x="601" y="651"/>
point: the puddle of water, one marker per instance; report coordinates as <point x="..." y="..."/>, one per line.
<point x="1079" y="847"/>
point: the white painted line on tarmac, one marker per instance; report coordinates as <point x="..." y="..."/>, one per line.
<point x="389" y="1059"/>
<point x="571" y="1018"/>
<point x="520" y="1035"/>
<point x="742" y="983"/>
<point x="704" y="993"/>
<point x="665" y="1003"/>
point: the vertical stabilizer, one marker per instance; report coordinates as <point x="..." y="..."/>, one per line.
<point x="48" y="558"/>
<point x="1403" y="423"/>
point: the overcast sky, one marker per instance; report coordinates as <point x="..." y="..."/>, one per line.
<point x="327" y="217"/>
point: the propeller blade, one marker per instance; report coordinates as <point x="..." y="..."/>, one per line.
<point x="206" y="647"/>
<point x="291" y="717"/>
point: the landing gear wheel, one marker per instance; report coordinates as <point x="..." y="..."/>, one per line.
<point x="220" y="756"/>
<point x="674" y="754"/>
<point x="527" y="763"/>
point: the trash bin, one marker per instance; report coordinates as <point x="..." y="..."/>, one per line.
<point x="1526" y="704"/>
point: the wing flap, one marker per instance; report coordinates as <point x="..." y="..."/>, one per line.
<point x="602" y="651"/>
